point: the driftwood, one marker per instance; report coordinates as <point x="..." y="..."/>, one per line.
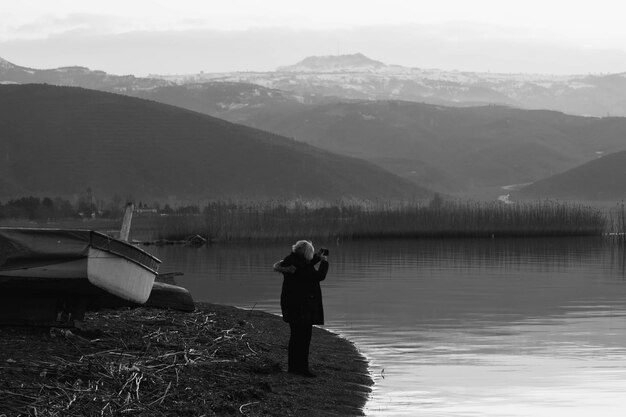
<point x="128" y="364"/>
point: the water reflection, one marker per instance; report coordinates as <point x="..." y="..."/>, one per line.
<point x="456" y="327"/>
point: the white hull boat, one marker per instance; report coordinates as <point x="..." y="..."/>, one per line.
<point x="72" y="267"/>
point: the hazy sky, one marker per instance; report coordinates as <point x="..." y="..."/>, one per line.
<point x="185" y="36"/>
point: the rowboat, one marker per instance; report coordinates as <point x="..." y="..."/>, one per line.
<point x="66" y="270"/>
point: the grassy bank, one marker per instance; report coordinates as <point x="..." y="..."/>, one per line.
<point x="217" y="361"/>
<point x="267" y="221"/>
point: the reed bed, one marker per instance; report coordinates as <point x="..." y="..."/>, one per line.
<point x="617" y="223"/>
<point x="275" y="221"/>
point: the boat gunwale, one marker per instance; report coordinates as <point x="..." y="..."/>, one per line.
<point x="121" y="255"/>
<point x="95" y="246"/>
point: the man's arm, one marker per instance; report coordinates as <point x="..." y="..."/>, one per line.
<point x="322" y="270"/>
<point x="283" y="269"/>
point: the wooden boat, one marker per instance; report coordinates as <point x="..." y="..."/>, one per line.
<point x="66" y="270"/>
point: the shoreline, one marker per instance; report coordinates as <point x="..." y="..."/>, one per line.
<point x="217" y="361"/>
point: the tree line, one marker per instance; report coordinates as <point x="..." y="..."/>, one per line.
<point x="85" y="207"/>
<point x="35" y="208"/>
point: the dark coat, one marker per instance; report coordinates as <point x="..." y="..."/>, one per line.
<point x="301" y="297"/>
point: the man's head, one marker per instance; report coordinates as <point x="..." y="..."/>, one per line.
<point x="304" y="248"/>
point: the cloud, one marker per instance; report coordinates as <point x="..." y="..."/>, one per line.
<point x="449" y="46"/>
<point x="577" y="19"/>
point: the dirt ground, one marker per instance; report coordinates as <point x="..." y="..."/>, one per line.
<point x="216" y="361"/>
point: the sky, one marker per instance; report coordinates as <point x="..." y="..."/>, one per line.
<point x="144" y="37"/>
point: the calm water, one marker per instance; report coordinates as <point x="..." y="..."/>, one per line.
<point x="456" y="327"/>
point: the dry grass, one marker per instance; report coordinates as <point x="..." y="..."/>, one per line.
<point x="217" y="361"/>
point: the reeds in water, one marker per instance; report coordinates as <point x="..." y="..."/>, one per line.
<point x="617" y="223"/>
<point x="221" y="221"/>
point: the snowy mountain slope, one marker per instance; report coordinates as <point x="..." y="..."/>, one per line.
<point x="76" y="76"/>
<point x="358" y="77"/>
<point x="351" y="63"/>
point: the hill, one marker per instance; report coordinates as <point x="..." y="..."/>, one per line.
<point x="226" y="100"/>
<point x="62" y="140"/>
<point x="450" y="149"/>
<point x="601" y="180"/>
<point x="466" y="150"/>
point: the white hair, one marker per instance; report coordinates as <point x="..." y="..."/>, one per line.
<point x="305" y="248"/>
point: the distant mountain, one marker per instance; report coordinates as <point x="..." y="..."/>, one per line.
<point x="359" y="77"/>
<point x="61" y="141"/>
<point x="333" y="103"/>
<point x="334" y="63"/>
<point x="4" y="64"/>
<point x="76" y="76"/>
<point x="602" y="179"/>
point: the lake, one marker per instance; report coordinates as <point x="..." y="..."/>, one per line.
<point x="474" y="327"/>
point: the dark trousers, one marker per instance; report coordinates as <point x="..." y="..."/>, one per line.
<point x="299" y="343"/>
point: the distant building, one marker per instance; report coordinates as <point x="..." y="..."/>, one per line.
<point x="146" y="210"/>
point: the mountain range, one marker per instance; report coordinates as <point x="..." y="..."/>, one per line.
<point x="356" y="76"/>
<point x="466" y="151"/>
<point x="59" y="141"/>
<point x="349" y="105"/>
<point x="359" y="77"/>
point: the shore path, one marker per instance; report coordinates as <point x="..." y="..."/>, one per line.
<point x="216" y="361"/>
